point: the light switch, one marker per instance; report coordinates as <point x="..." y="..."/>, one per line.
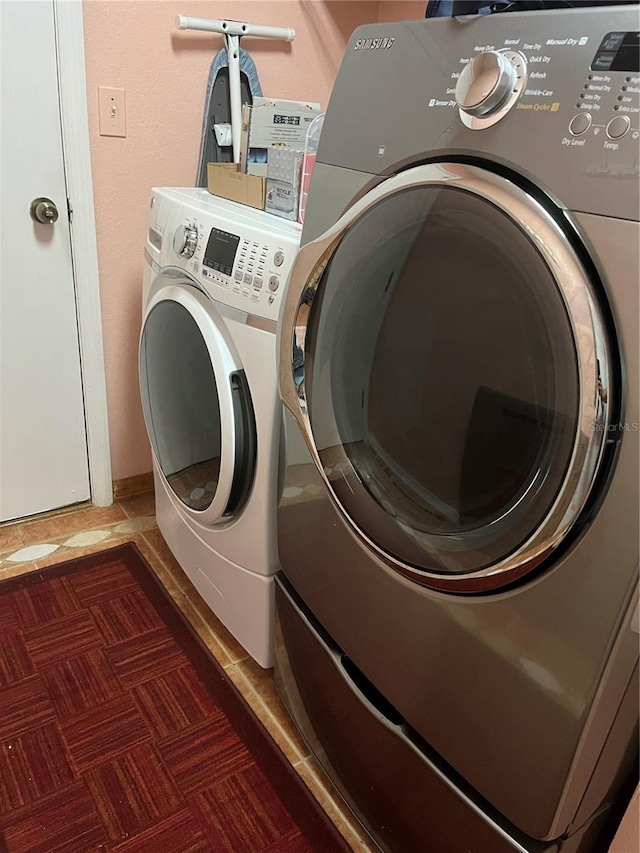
<point x="111" y="112"/>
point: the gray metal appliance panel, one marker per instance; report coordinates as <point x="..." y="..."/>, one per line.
<point x="332" y="191"/>
<point x="396" y="787"/>
<point x="402" y="797"/>
<point x="516" y="691"/>
<point x="381" y="119"/>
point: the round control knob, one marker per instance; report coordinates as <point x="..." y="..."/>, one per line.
<point x="185" y="240"/>
<point x="486" y="83"/>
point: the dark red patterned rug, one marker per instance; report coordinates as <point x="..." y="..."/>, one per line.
<point x="119" y="732"/>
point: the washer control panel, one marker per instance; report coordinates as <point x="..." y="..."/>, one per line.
<point x="254" y="270"/>
<point x="241" y="256"/>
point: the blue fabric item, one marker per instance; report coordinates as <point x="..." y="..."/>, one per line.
<point x="247" y="65"/>
<point x="250" y="72"/>
<point x="439" y="9"/>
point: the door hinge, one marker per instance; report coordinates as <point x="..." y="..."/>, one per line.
<point x="69" y="210"/>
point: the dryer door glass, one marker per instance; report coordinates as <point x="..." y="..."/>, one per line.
<point x="441" y="380"/>
<point x="181" y="405"/>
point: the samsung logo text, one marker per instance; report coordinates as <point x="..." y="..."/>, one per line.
<point x="374" y="44"/>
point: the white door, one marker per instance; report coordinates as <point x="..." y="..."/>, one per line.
<point x="43" y="446"/>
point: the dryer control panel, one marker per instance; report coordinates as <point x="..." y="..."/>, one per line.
<point x="552" y="94"/>
<point x="241" y="256"/>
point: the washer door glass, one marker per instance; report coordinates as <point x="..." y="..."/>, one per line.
<point x="442" y="380"/>
<point x="196" y="404"/>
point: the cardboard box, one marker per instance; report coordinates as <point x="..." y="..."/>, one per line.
<point x="244" y="136"/>
<point x="224" y="179"/>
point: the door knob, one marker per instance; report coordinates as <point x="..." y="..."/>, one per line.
<point x="43" y="210"/>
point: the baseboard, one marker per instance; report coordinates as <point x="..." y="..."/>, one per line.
<point x="131" y="487"/>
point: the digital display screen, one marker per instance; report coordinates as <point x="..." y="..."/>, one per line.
<point x="221" y="251"/>
<point x="618" y="52"/>
<point x="293" y="120"/>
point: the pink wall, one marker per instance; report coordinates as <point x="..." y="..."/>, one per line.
<point x="627" y="839"/>
<point x="401" y="10"/>
<point x="133" y="44"/>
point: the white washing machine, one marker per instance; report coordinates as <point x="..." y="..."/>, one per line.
<point x="214" y="279"/>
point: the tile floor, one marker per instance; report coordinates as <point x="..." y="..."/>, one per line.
<point x="43" y="541"/>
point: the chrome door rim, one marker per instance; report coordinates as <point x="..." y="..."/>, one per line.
<point x="590" y="340"/>
<point x="224" y="364"/>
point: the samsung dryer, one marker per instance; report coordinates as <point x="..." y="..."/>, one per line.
<point x="214" y="280"/>
<point x="458" y="608"/>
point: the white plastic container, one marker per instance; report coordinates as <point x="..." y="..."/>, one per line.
<point x="308" y="162"/>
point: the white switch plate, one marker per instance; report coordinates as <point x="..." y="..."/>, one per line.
<point x="111" y="112"/>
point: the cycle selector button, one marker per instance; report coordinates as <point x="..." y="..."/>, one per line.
<point x="485" y="83"/>
<point x="185" y="240"/>
<point x="489" y="85"/>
